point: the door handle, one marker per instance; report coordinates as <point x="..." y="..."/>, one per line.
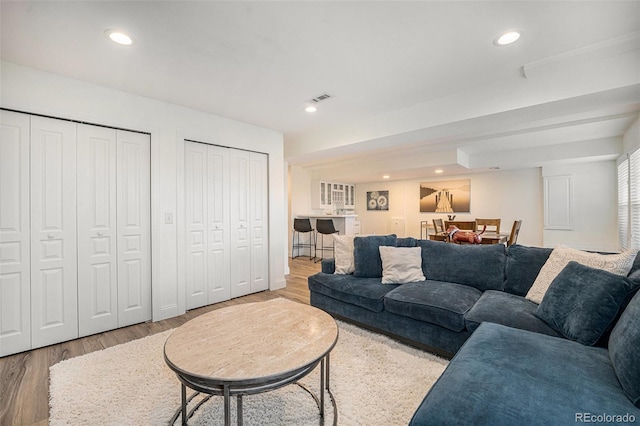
<point x="100" y="234"/>
<point x="50" y="236"/>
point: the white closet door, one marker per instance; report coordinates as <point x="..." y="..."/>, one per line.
<point x="240" y="223"/>
<point x="218" y="267"/>
<point x="15" y="284"/>
<point x="196" y="227"/>
<point x="54" y="303"/>
<point x="258" y="215"/>
<point x="133" y="227"/>
<point x="97" y="256"/>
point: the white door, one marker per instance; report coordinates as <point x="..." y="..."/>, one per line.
<point x="240" y="224"/>
<point x="258" y="216"/>
<point x="15" y="283"/>
<point x="54" y="307"/>
<point x="195" y="218"/>
<point x="133" y="227"/>
<point x="97" y="255"/>
<point x="218" y="267"/>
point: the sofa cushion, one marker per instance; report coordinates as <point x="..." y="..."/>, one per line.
<point x="367" y="293"/>
<point x="583" y="302"/>
<point x="366" y="254"/>
<point x="406" y="242"/>
<point x="328" y="266"/>
<point x="437" y="302"/>
<point x="343" y="246"/>
<point x="507" y="309"/>
<point x="480" y="266"/>
<point x="401" y="265"/>
<point x="619" y="264"/>
<point x="523" y="265"/>
<point x="624" y="345"/>
<point x="506" y="376"/>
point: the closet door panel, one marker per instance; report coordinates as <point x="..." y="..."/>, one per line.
<point x="53" y="231"/>
<point x="97" y="256"/>
<point x="259" y="222"/>
<point x="218" y="268"/>
<point x="15" y="305"/>
<point x="240" y="224"/>
<point x="196" y="226"/>
<point x="133" y="179"/>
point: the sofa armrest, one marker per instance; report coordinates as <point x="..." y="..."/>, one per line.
<point x="328" y="266"/>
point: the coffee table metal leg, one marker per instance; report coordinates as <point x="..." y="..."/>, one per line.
<point x="227" y="409"/>
<point x="184" y="405"/>
<point x="328" y="365"/>
<point x="240" y="410"/>
<point x="322" y="388"/>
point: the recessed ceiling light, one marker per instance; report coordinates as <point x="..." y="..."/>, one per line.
<point x="386" y="177"/>
<point x="119" y="37"/>
<point x="311" y="108"/>
<point x="507" y="38"/>
<point x="439" y="171"/>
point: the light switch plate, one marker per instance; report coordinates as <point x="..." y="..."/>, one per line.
<point x="168" y="218"/>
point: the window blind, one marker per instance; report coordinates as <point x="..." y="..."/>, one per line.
<point x="634" y="200"/>
<point x="623" y="203"/>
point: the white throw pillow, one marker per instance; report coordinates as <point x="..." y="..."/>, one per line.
<point x="401" y="264"/>
<point x="343" y="246"/>
<point x="619" y="264"/>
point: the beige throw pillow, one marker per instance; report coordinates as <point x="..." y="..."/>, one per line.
<point x="401" y="264"/>
<point x="619" y="264"/>
<point x="343" y="246"/>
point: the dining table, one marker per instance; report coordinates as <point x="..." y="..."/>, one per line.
<point x="487" y="238"/>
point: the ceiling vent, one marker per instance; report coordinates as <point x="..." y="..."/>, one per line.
<point x="320" y="98"/>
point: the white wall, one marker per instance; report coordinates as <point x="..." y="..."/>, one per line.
<point x="631" y="139"/>
<point x="509" y="195"/>
<point x="595" y="207"/>
<point x="34" y="91"/>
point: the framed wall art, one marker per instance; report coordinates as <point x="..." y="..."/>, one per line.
<point x="447" y="196"/>
<point x="377" y="200"/>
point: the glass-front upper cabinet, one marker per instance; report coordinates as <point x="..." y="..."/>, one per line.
<point x="324" y="194"/>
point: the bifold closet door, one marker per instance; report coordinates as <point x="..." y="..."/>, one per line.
<point x="133" y="227"/>
<point x="54" y="299"/>
<point x="97" y="257"/>
<point x="258" y="216"/>
<point x="207" y="224"/>
<point x="239" y="163"/>
<point x="15" y="283"/>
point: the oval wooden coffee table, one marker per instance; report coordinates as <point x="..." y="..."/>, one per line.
<point x="251" y="348"/>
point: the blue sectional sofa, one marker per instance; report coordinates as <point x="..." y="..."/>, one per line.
<point x="510" y="366"/>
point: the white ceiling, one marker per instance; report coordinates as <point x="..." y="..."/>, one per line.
<point x="260" y="61"/>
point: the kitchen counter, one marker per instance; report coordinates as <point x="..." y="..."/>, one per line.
<point x="344" y="223"/>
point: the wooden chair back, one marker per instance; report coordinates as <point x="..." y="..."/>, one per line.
<point x="493" y="223"/>
<point x="438" y="224"/>
<point x="462" y="225"/>
<point x="515" y="230"/>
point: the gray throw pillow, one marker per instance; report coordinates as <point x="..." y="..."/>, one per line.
<point x="366" y="254"/>
<point x="582" y="303"/>
<point x="623" y="350"/>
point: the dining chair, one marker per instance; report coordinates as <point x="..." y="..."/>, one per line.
<point x="438" y="224"/>
<point x="494" y="223"/>
<point x="461" y="224"/>
<point x="515" y="230"/>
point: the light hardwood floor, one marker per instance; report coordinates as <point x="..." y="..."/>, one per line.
<point x="24" y="377"/>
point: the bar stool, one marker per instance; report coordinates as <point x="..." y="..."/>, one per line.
<point x="303" y="226"/>
<point x="324" y="227"/>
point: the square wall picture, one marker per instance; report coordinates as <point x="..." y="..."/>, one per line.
<point x="377" y="200"/>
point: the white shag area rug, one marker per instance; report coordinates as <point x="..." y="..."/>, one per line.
<point x="375" y="381"/>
